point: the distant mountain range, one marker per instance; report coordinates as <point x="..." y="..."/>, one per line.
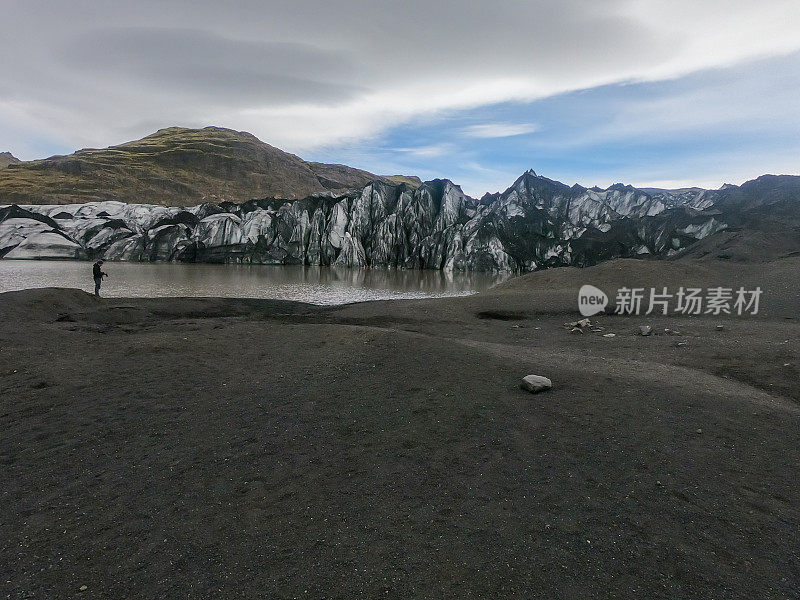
<point x="536" y="223"/>
<point x="177" y="166"/>
<point x="217" y="195"/>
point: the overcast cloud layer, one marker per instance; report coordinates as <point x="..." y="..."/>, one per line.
<point x="432" y="86"/>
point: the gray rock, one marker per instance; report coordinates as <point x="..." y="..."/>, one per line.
<point x="645" y="329"/>
<point x="535" y="383"/>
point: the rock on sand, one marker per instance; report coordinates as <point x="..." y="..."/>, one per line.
<point x="535" y="383"/>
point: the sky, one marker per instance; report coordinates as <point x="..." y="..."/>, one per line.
<point x="648" y="92"/>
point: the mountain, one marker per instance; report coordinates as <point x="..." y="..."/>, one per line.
<point x="176" y="167"/>
<point x="762" y="220"/>
<point x="536" y="223"/>
<point x="6" y="158"/>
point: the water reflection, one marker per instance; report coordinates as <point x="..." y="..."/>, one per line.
<point x="318" y="285"/>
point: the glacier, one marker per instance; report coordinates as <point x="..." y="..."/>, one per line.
<point x="536" y="223"/>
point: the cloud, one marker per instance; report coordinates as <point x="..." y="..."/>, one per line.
<point x="499" y="130"/>
<point x="306" y="74"/>
<point x="427" y="151"/>
<point x="210" y="68"/>
<point x="715" y="126"/>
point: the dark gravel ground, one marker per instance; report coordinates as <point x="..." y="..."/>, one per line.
<point x="156" y="448"/>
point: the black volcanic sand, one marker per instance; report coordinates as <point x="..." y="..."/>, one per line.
<point x="206" y="448"/>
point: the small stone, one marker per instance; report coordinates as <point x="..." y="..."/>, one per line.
<point x="699" y="431"/>
<point x="535" y="383"/>
<point x="83" y="588"/>
<point x="609" y="335"/>
<point x="578" y="324"/>
<point x="576" y="330"/>
<point x="720" y="327"/>
<point x="645" y="329"/>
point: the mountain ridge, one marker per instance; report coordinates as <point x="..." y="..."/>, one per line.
<point x="177" y="166"/>
<point x="237" y="199"/>
<point x="536" y="223"/>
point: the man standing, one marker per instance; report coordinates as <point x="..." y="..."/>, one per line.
<point x="98" y="276"/>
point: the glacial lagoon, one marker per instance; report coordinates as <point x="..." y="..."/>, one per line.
<point x="316" y="285"/>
